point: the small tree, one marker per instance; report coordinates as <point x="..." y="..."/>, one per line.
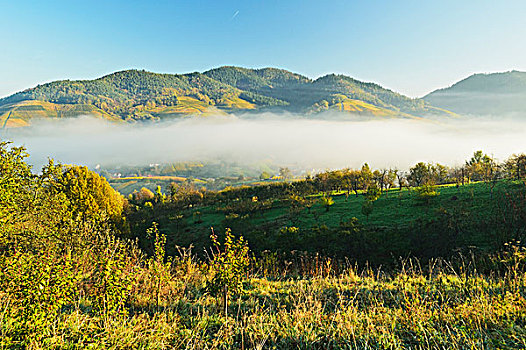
<point x="367" y="208"/>
<point x="285" y="173"/>
<point x="159" y="196"/>
<point x="228" y="267"/>
<point x="327" y="202"/>
<point x="425" y="193"/>
<point x="418" y="174"/>
<point x="159" y="270"/>
<point x="373" y="193"/>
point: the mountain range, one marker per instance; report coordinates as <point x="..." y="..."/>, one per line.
<point x="495" y="94"/>
<point x="135" y="95"/>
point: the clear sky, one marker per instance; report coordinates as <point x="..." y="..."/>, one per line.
<point x="412" y="47"/>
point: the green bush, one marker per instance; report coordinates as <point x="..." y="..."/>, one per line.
<point x="228" y="266"/>
<point x="326" y="201"/>
<point x="39" y="285"/>
<point x="158" y="269"/>
<point x="373" y="193"/>
<point x="112" y="278"/>
<point x="425" y="193"/>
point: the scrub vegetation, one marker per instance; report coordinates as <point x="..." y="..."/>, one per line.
<point x="431" y="258"/>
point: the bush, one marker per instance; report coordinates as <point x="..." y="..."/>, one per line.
<point x="373" y="193"/>
<point x="367" y="208"/>
<point x="112" y="278"/>
<point x="39" y="286"/>
<point x="425" y="193"/>
<point x="228" y="267"/>
<point x="326" y="201"/>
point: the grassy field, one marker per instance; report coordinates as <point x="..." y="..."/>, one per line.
<point x="396" y="212"/>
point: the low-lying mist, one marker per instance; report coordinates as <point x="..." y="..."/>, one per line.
<point x="286" y="140"/>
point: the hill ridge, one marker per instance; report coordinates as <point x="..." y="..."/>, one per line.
<point x="484" y="94"/>
<point x="138" y="94"/>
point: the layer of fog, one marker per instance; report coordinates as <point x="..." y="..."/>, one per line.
<point x="284" y="140"/>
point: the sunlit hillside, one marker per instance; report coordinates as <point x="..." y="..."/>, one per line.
<point x="139" y="95"/>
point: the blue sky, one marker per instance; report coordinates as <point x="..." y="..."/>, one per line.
<point x="409" y="46"/>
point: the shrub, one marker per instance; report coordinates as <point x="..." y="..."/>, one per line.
<point x="327" y="202"/>
<point x="159" y="270"/>
<point x="373" y="193"/>
<point x="228" y="267"/>
<point x="39" y="286"/>
<point x="113" y="277"/>
<point x="425" y="193"/>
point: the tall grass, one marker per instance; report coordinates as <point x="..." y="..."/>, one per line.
<point x="307" y="303"/>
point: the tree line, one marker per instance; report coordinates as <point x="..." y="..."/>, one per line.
<point x="480" y="167"/>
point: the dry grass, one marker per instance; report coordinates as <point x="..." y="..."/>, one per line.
<point x="442" y="308"/>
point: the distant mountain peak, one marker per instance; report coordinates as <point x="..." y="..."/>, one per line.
<point x="484" y="93"/>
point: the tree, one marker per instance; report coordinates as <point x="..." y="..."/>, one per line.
<point x="457" y="175"/>
<point x="373" y="193"/>
<point x="515" y="166"/>
<point x="29" y="216"/>
<point x="418" y="174"/>
<point x="367" y="208"/>
<point x="159" y="196"/>
<point x="52" y="207"/>
<point x="354" y="178"/>
<point x="285" y="173"/>
<point x="16" y="180"/>
<point x="326" y="201"/>
<point x="401" y="178"/>
<point x="366" y="177"/>
<point x="379" y="178"/>
<point x="520" y="162"/>
<point x="144" y="195"/>
<point x="389" y="180"/>
<point x="437" y="173"/>
<point x="185" y="194"/>
<point x="228" y="266"/>
<point x="90" y="196"/>
<point x="480" y="166"/>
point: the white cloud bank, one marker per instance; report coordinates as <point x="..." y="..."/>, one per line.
<point x="287" y="140"/>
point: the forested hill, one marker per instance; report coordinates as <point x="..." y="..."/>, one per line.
<point x="141" y="95"/>
<point x="484" y="94"/>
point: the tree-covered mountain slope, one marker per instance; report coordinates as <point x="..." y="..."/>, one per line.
<point x="139" y="95"/>
<point x="484" y="94"/>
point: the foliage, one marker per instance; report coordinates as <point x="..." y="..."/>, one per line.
<point x="367" y="208"/>
<point x="425" y="193"/>
<point x="159" y="270"/>
<point x="112" y="278"/>
<point x="142" y="196"/>
<point x="484" y="94"/>
<point x="309" y="291"/>
<point x="265" y="175"/>
<point x="327" y="305"/>
<point x="141" y="95"/>
<point x="89" y="195"/>
<point x="373" y="193"/>
<point x="39" y="285"/>
<point x="326" y="201"/>
<point x="32" y="214"/>
<point x="228" y="266"/>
